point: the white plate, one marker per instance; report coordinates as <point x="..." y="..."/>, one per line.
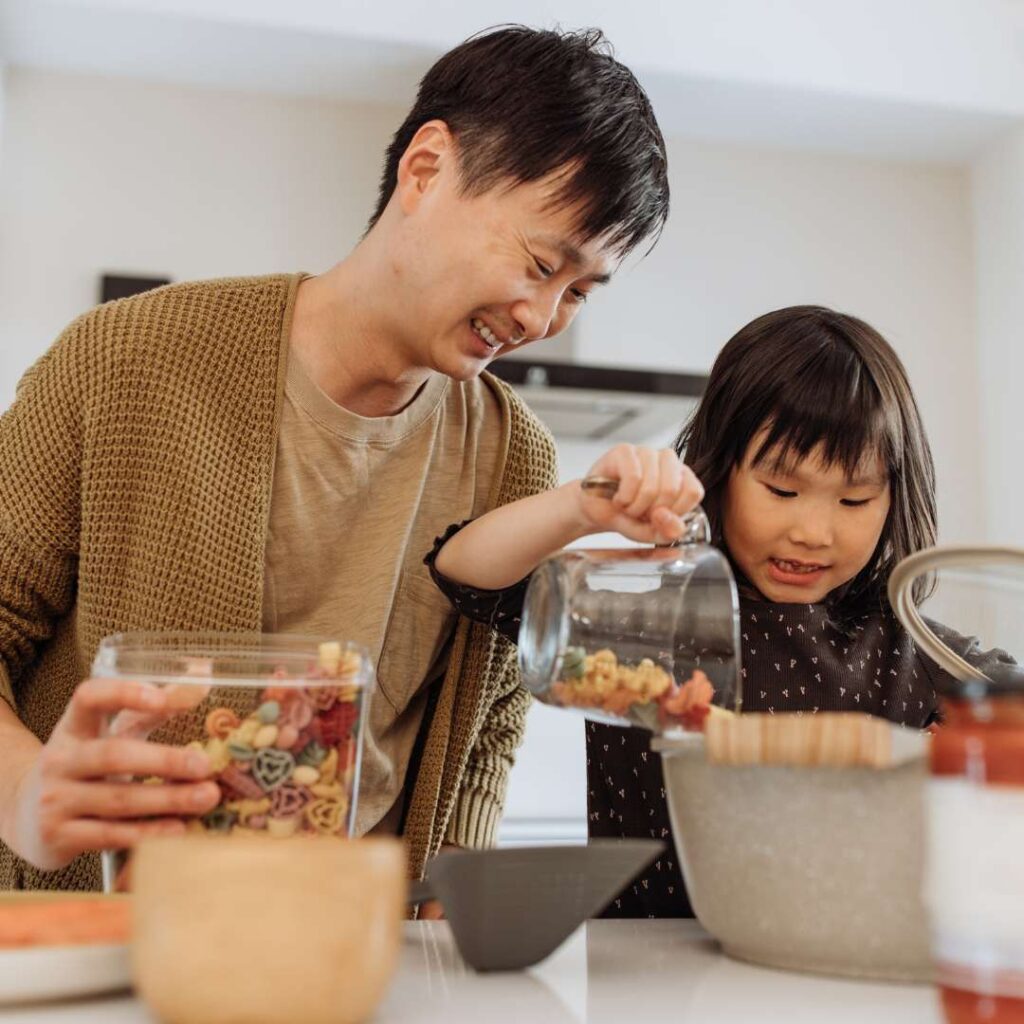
<point x="60" y="972"/>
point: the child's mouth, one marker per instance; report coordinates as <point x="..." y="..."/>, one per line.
<point x="797" y="567"/>
<point x="784" y="570"/>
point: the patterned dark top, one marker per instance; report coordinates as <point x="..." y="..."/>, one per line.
<point x="793" y="658"/>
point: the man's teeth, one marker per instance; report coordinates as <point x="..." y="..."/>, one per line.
<point x="485" y="332"/>
<point x="795" y="566"/>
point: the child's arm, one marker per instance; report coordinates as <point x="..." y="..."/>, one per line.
<point x="501" y="547"/>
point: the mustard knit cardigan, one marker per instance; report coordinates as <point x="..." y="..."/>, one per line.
<point x="135" y="483"/>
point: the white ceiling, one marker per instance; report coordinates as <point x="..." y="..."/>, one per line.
<point x="914" y="79"/>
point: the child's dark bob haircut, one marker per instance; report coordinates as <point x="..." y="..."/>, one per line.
<point x="808" y="376"/>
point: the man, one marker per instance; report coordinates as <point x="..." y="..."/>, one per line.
<point x="279" y="454"/>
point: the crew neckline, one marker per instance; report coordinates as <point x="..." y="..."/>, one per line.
<point x="301" y="389"/>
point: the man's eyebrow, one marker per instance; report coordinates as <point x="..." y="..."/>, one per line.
<point x="572" y="255"/>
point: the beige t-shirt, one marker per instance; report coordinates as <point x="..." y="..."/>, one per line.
<point x="356" y="504"/>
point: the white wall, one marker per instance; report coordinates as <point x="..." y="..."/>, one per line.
<point x="755" y="229"/>
<point x="3" y="96"/>
<point x="108" y="175"/>
<point x="998" y="193"/>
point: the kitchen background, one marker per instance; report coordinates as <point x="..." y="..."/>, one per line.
<point x="868" y="157"/>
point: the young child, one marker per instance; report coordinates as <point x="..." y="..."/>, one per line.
<point x="817" y="479"/>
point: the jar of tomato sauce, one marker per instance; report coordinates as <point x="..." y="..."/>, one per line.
<point x="974" y="878"/>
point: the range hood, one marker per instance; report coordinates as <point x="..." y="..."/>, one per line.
<point x="603" y="403"/>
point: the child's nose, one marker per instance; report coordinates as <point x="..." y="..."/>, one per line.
<point x="812" y="531"/>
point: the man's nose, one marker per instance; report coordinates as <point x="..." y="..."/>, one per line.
<point x="534" y="316"/>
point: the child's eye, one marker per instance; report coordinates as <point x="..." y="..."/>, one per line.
<point x="853" y="502"/>
<point x="577" y="295"/>
<point x="780" y="493"/>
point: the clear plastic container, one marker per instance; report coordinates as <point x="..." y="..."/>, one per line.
<point x="644" y="636"/>
<point x="280" y="717"/>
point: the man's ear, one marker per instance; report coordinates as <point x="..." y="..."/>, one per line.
<point x="430" y="153"/>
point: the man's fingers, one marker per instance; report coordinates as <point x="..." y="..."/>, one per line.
<point x="87" y="834"/>
<point x="137" y="724"/>
<point x="97" y="759"/>
<point x="96" y="699"/>
<point x="185" y="696"/>
<point x="432" y="910"/>
<point x="137" y="800"/>
<point x="176" y="699"/>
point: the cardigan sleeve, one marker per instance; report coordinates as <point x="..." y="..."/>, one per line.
<point x="477" y="812"/>
<point x="40" y="485"/>
<point x="481" y="801"/>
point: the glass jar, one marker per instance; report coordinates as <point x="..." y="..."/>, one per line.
<point x="974" y="878"/>
<point x="645" y="636"/>
<point x="280" y="718"/>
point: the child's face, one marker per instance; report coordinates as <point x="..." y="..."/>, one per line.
<point x="799" y="533"/>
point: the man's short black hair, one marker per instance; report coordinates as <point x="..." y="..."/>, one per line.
<point x="523" y="103"/>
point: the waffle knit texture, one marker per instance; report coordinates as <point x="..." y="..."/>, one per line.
<point x="135" y="480"/>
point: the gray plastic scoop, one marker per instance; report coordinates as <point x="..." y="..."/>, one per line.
<point x="510" y="908"/>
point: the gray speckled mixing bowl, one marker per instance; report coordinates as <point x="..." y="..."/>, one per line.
<point x="811" y="869"/>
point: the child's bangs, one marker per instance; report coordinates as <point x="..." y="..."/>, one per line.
<point x="841" y="418"/>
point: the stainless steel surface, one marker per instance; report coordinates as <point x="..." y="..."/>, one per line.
<point x="930" y="560"/>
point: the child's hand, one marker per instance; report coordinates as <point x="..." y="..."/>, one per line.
<point x="655" y="490"/>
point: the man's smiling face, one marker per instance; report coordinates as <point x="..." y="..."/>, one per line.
<point x="483" y="274"/>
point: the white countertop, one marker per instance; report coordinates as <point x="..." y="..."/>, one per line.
<point x="608" y="971"/>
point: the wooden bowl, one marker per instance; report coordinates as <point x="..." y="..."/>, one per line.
<point x="266" y="931"/>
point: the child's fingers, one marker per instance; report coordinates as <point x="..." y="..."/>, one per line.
<point x="650" y="484"/>
<point x="667" y="527"/>
<point x="622" y="463"/>
<point x="691" y="491"/>
<point x="670" y="478"/>
<point x="635" y="529"/>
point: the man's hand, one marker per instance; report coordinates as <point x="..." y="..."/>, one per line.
<point x="655" y="490"/>
<point x="62" y="801"/>
<point x="432" y="910"/>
